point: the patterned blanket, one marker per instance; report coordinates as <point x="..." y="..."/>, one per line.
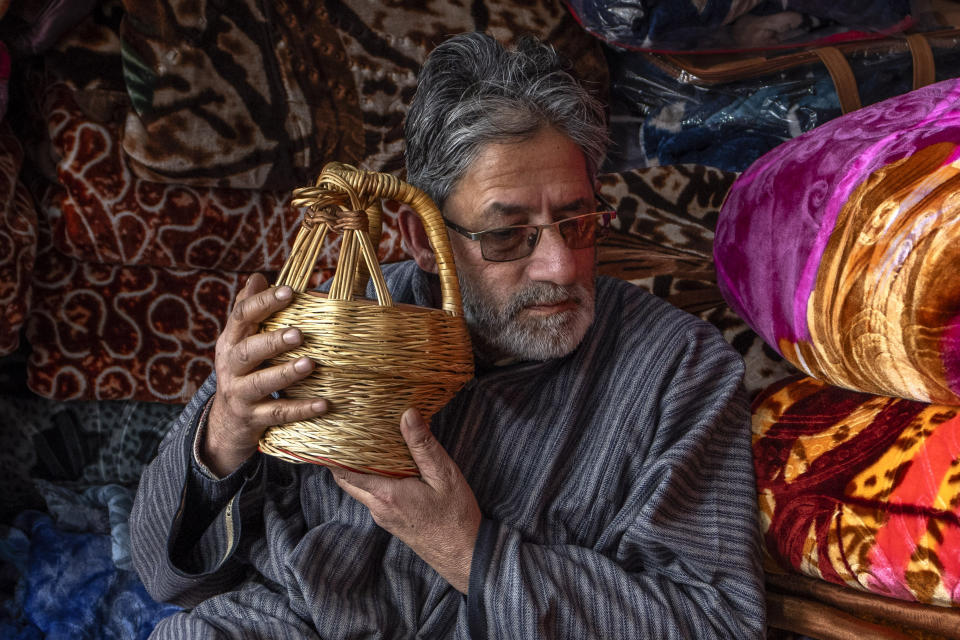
<point x="860" y="490"/>
<point x="841" y="247"/>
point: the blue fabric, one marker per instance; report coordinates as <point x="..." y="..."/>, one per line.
<point x="699" y="25"/>
<point x="69" y="588"/>
<point x="658" y="119"/>
<point x="101" y="509"/>
<point x="726" y="127"/>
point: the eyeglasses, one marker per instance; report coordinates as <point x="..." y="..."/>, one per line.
<point x="505" y="244"/>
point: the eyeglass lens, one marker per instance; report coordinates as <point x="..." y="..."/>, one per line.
<point x="514" y="243"/>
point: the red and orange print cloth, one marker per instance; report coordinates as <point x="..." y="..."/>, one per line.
<point x="860" y="489"/>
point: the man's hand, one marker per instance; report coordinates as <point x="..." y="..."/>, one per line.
<point x="436" y="514"/>
<point x="242" y="407"/>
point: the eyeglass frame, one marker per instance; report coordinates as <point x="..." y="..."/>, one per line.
<point x="477" y="235"/>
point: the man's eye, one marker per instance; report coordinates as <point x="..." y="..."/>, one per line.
<point x="504" y="234"/>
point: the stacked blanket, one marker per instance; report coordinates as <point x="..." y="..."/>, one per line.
<point x="842" y="248"/>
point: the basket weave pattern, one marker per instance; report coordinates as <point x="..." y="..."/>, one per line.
<point x="374" y="358"/>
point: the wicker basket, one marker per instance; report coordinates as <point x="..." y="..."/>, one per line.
<point x="374" y="358"/>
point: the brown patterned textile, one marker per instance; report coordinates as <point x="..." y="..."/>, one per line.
<point x="122" y="235"/>
<point x="108" y="332"/>
<point x="101" y="212"/>
<point x="18" y="239"/>
<point x="257" y="94"/>
<point x="663" y="242"/>
<point x="118" y="241"/>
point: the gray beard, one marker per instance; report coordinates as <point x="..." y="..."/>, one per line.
<point x="499" y="333"/>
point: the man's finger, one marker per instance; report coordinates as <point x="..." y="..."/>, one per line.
<point x="248" y="313"/>
<point x="259" y="384"/>
<point x="254" y="350"/>
<point x="426" y="452"/>
<point x="286" y="410"/>
<point x="254" y="284"/>
<point x="362" y="487"/>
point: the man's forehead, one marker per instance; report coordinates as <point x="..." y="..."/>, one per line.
<point x="510" y="179"/>
<point x="508" y="209"/>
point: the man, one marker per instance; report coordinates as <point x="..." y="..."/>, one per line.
<point x="593" y="481"/>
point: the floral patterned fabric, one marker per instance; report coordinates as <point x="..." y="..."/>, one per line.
<point x="860" y="490"/>
<point x="841" y="247"/>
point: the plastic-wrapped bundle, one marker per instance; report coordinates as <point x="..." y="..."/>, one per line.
<point x="686" y="25"/>
<point x="727" y="112"/>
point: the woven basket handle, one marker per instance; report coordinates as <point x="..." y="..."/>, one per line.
<point x="348" y="199"/>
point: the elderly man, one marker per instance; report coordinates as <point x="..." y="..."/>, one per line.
<point x="593" y="481"/>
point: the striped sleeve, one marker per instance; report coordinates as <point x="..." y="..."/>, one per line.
<point x="686" y="565"/>
<point x="185" y="525"/>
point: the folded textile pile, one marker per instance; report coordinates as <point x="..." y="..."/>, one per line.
<point x="841" y="248"/>
<point x="722" y="25"/>
<point x="720" y="83"/>
<point x="164" y="139"/>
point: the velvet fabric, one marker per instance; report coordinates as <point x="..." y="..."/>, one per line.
<point x="153" y="212"/>
<point x="841" y="247"/>
<point x="860" y="490"/>
<point x="144" y="261"/>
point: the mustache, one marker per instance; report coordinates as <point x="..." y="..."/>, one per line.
<point x="544" y="293"/>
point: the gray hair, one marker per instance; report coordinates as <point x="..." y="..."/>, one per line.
<point x="472" y="92"/>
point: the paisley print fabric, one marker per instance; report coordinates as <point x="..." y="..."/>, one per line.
<point x="101" y="212"/>
<point x="108" y="332"/>
<point x="860" y="490"/>
<point x="148" y="234"/>
<point x="841" y="246"/>
<point x="18" y="239"/>
<point x="118" y="242"/>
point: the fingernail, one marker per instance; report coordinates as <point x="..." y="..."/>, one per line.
<point x="319" y="405"/>
<point x="302" y="365"/>
<point x="412" y="417"/>
<point x="291" y="336"/>
<point x="283" y="293"/>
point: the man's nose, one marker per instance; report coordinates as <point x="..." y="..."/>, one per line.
<point x="552" y="260"/>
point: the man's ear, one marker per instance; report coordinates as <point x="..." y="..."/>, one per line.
<point x="415" y="239"/>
